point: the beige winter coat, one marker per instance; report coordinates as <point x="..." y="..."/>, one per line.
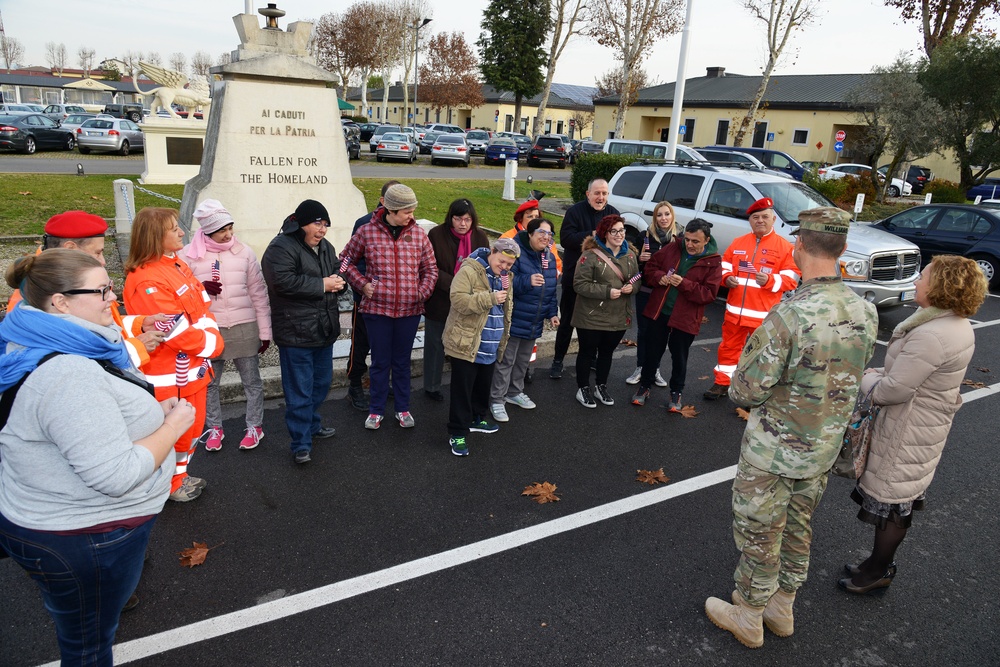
<point x="472" y="299"/>
<point x="919" y="389"/>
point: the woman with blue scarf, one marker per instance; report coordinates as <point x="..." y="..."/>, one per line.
<point x="604" y="278"/>
<point x="86" y="452"/>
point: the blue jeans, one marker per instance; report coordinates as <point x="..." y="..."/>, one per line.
<point x="85" y="580"/>
<point x="306" y="374"/>
<point x="391" y="339"/>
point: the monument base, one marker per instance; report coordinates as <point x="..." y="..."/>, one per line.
<point x="173" y="150"/>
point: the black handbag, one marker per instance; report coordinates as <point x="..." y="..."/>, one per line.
<point x="853" y="455"/>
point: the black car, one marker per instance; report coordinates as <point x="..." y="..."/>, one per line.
<point x="548" y="149"/>
<point x="590" y="147"/>
<point x="951" y="229"/>
<point x="30" y="132"/>
<point x="427" y="143"/>
<point x="916" y="176"/>
<point x="367" y="130"/>
<point x="132" y="111"/>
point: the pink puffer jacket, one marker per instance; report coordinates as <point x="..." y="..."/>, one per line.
<point x="244" y="294"/>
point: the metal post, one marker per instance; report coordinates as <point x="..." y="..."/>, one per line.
<point x="678" y="106"/>
<point x="416" y="63"/>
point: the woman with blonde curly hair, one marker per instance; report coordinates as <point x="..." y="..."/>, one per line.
<point x="918" y="390"/>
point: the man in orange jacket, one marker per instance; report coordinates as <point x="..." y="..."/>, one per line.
<point x="757" y="268"/>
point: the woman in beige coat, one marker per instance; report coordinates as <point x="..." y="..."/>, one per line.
<point x="918" y="390"/>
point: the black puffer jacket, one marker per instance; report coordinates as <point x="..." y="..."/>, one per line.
<point x="302" y="314"/>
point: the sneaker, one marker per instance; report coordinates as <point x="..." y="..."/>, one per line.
<point x="325" y="432"/>
<point x="215" y="436"/>
<point x="556" y="371"/>
<point x="583" y="395"/>
<point x="716" y="391"/>
<point x="252" y="437"/>
<point x="660" y="382"/>
<point x="603" y="396"/>
<point x="521" y="401"/>
<point x="198" y="482"/>
<point x="458" y="446"/>
<point x="675" y="402"/>
<point x="131" y="603"/>
<point x="499" y="412"/>
<point x="373" y="422"/>
<point x="358" y="398"/>
<point x="484" y="426"/>
<point x="302" y="456"/>
<point x="405" y="419"/>
<point x="186" y="491"/>
<point x="640" y="396"/>
<point x="634" y="378"/>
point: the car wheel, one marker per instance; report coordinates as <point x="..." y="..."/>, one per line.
<point x="562" y="165"/>
<point x="135" y="116"/>
<point x="371" y="150"/>
<point x="465" y="164"/>
<point x="29" y="146"/>
<point x="378" y="158"/>
<point x="123" y="151"/>
<point x="84" y="150"/>
<point x="990" y="267"/>
<point x="893" y="191"/>
<point x="70" y="143"/>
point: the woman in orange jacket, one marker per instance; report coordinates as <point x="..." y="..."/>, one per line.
<point x="158" y="281"/>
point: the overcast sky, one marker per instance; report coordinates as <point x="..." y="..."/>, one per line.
<point x="850" y="36"/>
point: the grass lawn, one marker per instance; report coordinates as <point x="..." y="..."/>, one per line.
<point x="31" y="199"/>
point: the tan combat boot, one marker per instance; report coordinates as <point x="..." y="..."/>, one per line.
<point x="744" y="621"/>
<point x="778" y="613"/>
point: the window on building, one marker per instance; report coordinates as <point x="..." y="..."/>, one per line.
<point x="9" y="96"/>
<point x="722" y="133"/>
<point x="548" y="126"/>
<point x="688" y="131"/>
<point x="759" y="134"/>
<point x="559" y="128"/>
<point x="800" y="137"/>
<point x="31" y="94"/>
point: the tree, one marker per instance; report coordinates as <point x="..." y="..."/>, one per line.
<point x="132" y="60"/>
<point x="963" y="76"/>
<point x="110" y="71"/>
<point x="13" y="51"/>
<point x="510" y="48"/>
<point x="154" y="58"/>
<point x="56" y="56"/>
<point x="940" y="19"/>
<point x="568" y="17"/>
<point x="224" y="59"/>
<point x="630" y="28"/>
<point x="331" y="46"/>
<point x="85" y="57"/>
<point x="201" y="62"/>
<point x="178" y="62"/>
<point x="448" y="77"/>
<point x="411" y="15"/>
<point x="581" y="120"/>
<point x="376" y="81"/>
<point x="781" y="17"/>
<point x="612" y="82"/>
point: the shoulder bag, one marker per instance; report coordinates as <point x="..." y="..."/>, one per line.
<point x="853" y="455"/>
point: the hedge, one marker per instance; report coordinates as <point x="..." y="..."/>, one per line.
<point x="945" y="192"/>
<point x="595" y="165"/>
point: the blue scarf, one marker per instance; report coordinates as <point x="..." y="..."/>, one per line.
<point x="42" y="333"/>
<point x="603" y="246"/>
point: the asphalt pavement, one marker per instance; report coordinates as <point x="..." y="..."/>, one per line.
<point x="388" y="550"/>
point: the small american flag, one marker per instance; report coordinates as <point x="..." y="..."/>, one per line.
<point x="645" y="244"/>
<point x="344" y="263"/>
<point x="505" y="280"/>
<point x="203" y="368"/>
<point x="181" y="366"/>
<point x="634" y="279"/>
<point x="216" y="272"/>
<point x="747" y="266"/>
<point x="165" y="327"/>
<point x="545" y="260"/>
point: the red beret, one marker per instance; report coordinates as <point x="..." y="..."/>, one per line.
<point x="526" y="206"/>
<point x="760" y="205"/>
<point x="76" y="225"/>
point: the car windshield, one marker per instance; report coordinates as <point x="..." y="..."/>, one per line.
<point x="99" y="124"/>
<point x="502" y="142"/>
<point x="791" y="198"/>
<point x="477" y="135"/>
<point x="451" y="139"/>
<point x="430" y="136"/>
<point x="395" y="136"/>
<point x="77" y="119"/>
<point x="387" y="128"/>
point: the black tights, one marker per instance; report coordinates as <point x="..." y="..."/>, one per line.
<point x="888" y="537"/>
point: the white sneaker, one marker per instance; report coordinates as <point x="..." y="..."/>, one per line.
<point x="521" y="401"/>
<point x="499" y="412"/>
<point x="660" y="382"/>
<point x="634" y="378"/>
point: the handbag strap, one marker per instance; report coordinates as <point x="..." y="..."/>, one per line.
<point x="607" y="260"/>
<point x="7" y="398"/>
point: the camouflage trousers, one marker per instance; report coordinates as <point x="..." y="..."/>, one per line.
<point x="772" y="526"/>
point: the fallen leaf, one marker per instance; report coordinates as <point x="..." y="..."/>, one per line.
<point x="196" y="555"/>
<point x="704" y="319"/>
<point x="983" y="370"/>
<point x="651" y="476"/>
<point x="24" y="193"/>
<point x="544" y="625"/>
<point x="688" y="412"/>
<point x="94" y="197"/>
<point x="974" y="384"/>
<point x="703" y="377"/>
<point x="744" y="415"/>
<point x="629" y="343"/>
<point x="543" y="492"/>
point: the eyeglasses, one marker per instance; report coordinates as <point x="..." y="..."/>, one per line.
<point x="543" y="232"/>
<point x="103" y="291"/>
<point x="462" y="218"/>
<point x="617" y="232"/>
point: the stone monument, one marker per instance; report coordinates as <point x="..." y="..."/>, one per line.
<point x="274" y="137"/>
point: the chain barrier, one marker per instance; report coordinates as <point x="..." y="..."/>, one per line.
<point x="156" y="194"/>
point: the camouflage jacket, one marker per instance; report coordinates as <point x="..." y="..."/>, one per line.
<point x="800" y="372"/>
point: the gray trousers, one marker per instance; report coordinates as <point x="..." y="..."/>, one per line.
<point x="433" y="354"/>
<point x="508" y="376"/>
<point x="253" y="387"/>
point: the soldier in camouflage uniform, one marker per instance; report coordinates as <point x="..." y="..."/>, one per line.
<point x="799" y="374"/>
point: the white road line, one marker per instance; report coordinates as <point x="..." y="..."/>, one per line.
<point x="976" y="394"/>
<point x="991" y="323"/>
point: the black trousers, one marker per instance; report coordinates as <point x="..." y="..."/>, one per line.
<point x="565" y="331"/>
<point x="659" y="337"/>
<point x="599" y="344"/>
<point x="470" y="394"/>
<point x="356" y="364"/>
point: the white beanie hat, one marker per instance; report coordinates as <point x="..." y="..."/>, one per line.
<point x="212" y="216"/>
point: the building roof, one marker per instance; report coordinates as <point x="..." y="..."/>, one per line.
<point x="49" y="81"/>
<point x="582" y="96"/>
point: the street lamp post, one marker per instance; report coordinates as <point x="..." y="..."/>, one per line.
<point x="416" y="64"/>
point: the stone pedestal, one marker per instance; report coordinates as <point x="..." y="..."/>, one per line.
<point x="173" y="149"/>
<point x="274" y="139"/>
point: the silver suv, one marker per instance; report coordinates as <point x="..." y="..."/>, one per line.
<point x="879" y="266"/>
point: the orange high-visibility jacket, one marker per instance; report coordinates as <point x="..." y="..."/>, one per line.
<point x="166" y="285"/>
<point x="748" y="304"/>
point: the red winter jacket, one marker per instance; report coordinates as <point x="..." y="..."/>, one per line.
<point x="698" y="289"/>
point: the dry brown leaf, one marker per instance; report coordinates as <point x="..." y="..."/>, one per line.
<point x="94" y="197"/>
<point x="651" y="476"/>
<point x="196" y="555"/>
<point x="983" y="370"/>
<point x="974" y="384"/>
<point x="688" y="412"/>
<point x="707" y="349"/>
<point x="744" y="415"/>
<point x="629" y="343"/>
<point x="703" y="377"/>
<point x="24" y="193"/>
<point x="541" y="492"/>
<point x="704" y="319"/>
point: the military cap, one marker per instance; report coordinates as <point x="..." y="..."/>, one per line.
<point x="825" y="219"/>
<point x="761" y="204"/>
<point x="76" y="225"/>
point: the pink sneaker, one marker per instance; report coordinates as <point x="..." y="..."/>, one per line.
<point x="252" y="438"/>
<point x="215" y="437"/>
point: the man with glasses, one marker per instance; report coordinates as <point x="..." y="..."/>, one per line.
<point x="300" y="269"/>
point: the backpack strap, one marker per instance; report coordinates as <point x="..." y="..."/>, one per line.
<point x="7" y="398"/>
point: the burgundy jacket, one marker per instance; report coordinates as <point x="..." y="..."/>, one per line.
<point x="698" y="289"/>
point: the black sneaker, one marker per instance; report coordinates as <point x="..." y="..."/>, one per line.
<point x="325" y="432"/>
<point x="584" y="397"/>
<point x="716" y="391"/>
<point x="640" y="396"/>
<point x="358" y="398"/>
<point x="556" y="371"/>
<point x="603" y="396"/>
<point x="302" y="456"/>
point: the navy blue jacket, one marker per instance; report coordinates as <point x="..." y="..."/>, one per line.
<point x="532" y="305"/>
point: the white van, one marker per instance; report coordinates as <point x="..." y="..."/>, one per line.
<point x="656" y="150"/>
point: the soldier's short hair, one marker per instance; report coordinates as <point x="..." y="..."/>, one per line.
<point x="823" y="244"/>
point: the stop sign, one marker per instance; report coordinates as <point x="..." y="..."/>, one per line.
<point x="841" y="135"/>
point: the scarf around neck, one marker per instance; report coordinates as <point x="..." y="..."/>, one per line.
<point x="202" y="243"/>
<point x="464" y="246"/>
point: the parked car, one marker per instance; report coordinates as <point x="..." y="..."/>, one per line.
<point x="445" y="127"/>
<point x="30" y="132"/>
<point x="951" y="229"/>
<point x="548" y="149"/>
<point x="739" y="159"/>
<point x="523" y="141"/>
<point x="377" y="134"/>
<point x="14" y="110"/>
<point x="499" y="150"/>
<point x="988" y="189"/>
<point x="427" y="142"/>
<point x="367" y="129"/>
<point x="118" y="135"/>
<point x="590" y="147"/>
<point x="896" y="187"/>
<point x="130" y="110"/>
<point x="396" y="146"/>
<point x="771" y="158"/>
<point x="75" y="120"/>
<point x="353" y="144"/>
<point x="450" y="147"/>
<point x="656" y="150"/>
<point x="58" y="112"/>
<point x="477" y="140"/>
<point x="878" y="266"/>
<point x="35" y="108"/>
<point x="916" y="176"/>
